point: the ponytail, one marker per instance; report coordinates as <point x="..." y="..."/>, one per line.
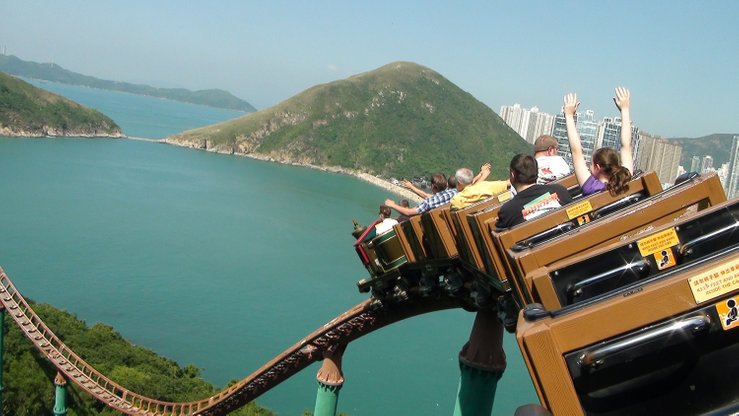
<point x="618" y="182"/>
<point x="610" y="162"/>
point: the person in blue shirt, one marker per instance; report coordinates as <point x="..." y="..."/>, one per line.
<point x="441" y="196"/>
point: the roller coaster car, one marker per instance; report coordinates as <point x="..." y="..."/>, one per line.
<point x="415" y="247"/>
<point x="466" y="247"/>
<point x="476" y="225"/>
<point x="638" y="259"/>
<point x="667" y="346"/>
<point x="664" y="208"/>
<point x="439" y="235"/>
<point x="554" y="223"/>
<point x="379" y="253"/>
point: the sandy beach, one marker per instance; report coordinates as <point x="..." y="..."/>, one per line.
<point x="400" y="191"/>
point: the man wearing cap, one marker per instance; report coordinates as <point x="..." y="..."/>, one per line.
<point x="551" y="166"/>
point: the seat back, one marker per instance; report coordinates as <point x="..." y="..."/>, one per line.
<point x="662" y="208"/>
<point x="593" y="275"/>
<point x="389" y="250"/>
<point x="582" y="211"/>
<point x="481" y="223"/>
<point x="665" y="347"/>
<point x="466" y="245"/>
<point x="438" y="234"/>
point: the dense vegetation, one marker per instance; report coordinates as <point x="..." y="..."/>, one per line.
<point x="28" y="377"/>
<point x="52" y="72"/>
<point x="27" y="109"/>
<point x="400" y="120"/>
<point x="717" y="146"/>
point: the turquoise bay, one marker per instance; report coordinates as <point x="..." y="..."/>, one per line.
<point x="219" y="261"/>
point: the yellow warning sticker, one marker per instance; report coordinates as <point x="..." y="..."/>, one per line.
<point x="715" y="282"/>
<point x="583" y="220"/>
<point x="505" y="196"/>
<point x="665" y="259"/>
<point x="728" y="313"/>
<point x="658" y="242"/>
<point x="579" y="209"/>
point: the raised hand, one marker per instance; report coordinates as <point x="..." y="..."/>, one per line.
<point x="406" y="184"/>
<point x="570" y="104"/>
<point x="622" y="98"/>
<point x="487" y="167"/>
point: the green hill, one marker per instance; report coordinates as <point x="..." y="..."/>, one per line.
<point x="28" y="377"/>
<point x="52" y="72"/>
<point x="715" y="145"/>
<point x="400" y="120"/>
<point x="29" y="111"/>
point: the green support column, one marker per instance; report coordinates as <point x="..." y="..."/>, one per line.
<point x="330" y="379"/>
<point x="60" y="396"/>
<point x="476" y="392"/>
<point x="481" y="363"/>
<point x="2" y="351"/>
<point x="327" y="400"/>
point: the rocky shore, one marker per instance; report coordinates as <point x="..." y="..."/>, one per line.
<point x="401" y="192"/>
<point x="47" y="131"/>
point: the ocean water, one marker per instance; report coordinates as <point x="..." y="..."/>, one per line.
<point x="218" y="261"/>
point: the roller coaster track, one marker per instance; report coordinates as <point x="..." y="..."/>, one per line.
<point x="349" y="326"/>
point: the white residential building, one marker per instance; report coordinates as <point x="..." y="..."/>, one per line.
<point x="528" y="123"/>
<point x="732" y="187"/>
<point x="659" y="155"/>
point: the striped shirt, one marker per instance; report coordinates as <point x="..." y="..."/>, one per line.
<point x="436" y="200"/>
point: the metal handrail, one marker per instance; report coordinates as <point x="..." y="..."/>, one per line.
<point x="597" y="356"/>
<point x="576" y="288"/>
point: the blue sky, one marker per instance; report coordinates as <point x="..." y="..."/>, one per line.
<point x="679" y="58"/>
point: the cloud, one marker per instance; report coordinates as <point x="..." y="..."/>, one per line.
<point x="332" y="67"/>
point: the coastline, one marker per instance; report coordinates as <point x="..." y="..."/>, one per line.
<point x="51" y="132"/>
<point x="374" y="180"/>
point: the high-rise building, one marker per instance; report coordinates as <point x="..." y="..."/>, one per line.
<point x="659" y="155"/>
<point x="706" y="163"/>
<point x="529" y="124"/>
<point x="609" y="135"/>
<point x="723" y="175"/>
<point x="695" y="164"/>
<point x="732" y="188"/>
<point x="559" y="131"/>
<point x="586" y="127"/>
<point x="539" y="123"/>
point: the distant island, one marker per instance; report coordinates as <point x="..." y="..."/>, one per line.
<point x="401" y="120"/>
<point x="27" y="111"/>
<point x="55" y="73"/>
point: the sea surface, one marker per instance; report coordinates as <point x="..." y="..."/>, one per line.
<point x="218" y="261"/>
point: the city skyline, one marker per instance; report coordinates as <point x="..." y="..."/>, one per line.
<point x="650" y="151"/>
<point x="674" y="57"/>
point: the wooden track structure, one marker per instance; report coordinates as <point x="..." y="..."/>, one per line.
<point x="352" y="324"/>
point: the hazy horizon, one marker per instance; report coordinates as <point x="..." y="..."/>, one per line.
<point x="674" y="57"/>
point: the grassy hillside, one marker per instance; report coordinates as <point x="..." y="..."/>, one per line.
<point x="400" y="120"/>
<point x="29" y="111"/>
<point x="52" y="72"/>
<point x="28" y="378"/>
<point x="717" y="146"/>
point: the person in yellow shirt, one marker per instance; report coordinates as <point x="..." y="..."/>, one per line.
<point x="473" y="189"/>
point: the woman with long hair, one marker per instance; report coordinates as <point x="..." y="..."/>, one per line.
<point x="607" y="170"/>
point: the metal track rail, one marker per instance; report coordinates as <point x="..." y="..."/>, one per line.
<point x="352" y="324"/>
